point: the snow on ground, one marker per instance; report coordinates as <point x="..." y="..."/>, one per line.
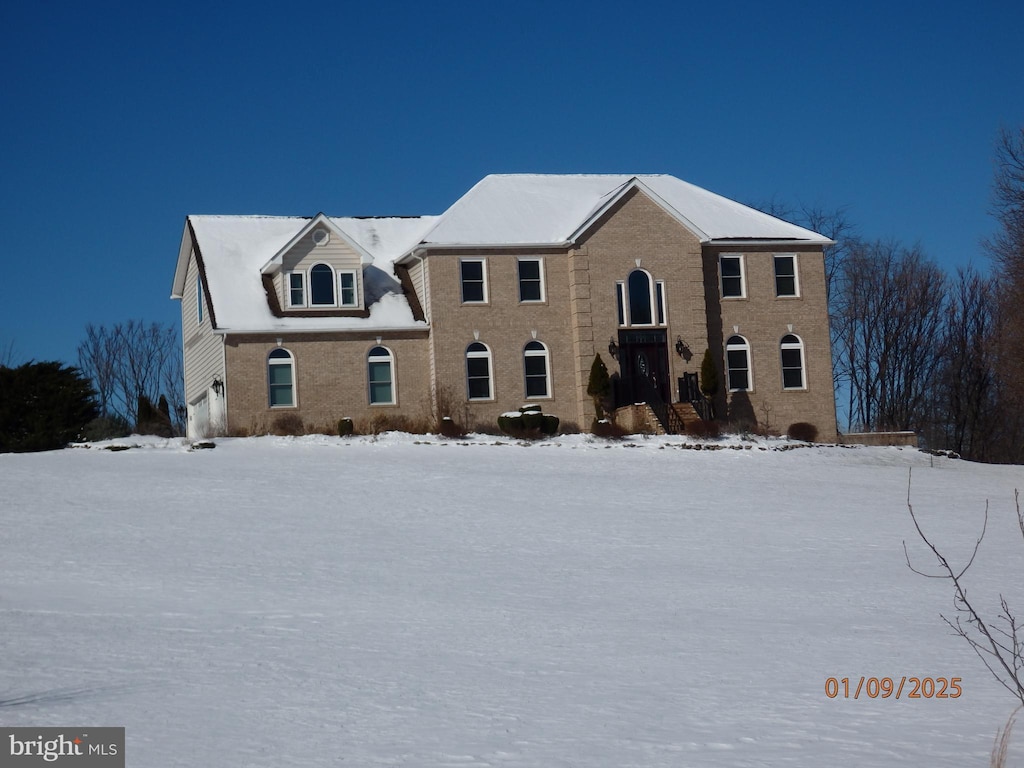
<point x="417" y="602"/>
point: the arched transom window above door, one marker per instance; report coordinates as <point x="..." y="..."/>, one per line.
<point x="641" y="300"/>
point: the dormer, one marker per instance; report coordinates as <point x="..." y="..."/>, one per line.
<point x="318" y="273"/>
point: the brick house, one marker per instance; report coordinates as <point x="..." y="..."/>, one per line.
<point x="505" y="299"/>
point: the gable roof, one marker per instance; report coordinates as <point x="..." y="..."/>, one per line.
<point x="542" y="209"/>
<point x="235" y="249"/>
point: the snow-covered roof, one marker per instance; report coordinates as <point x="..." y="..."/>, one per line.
<point x="235" y="249"/>
<point x="542" y="209"/>
<point x="500" y="210"/>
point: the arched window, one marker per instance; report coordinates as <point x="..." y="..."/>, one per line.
<point x="478" y="371"/>
<point x="321" y="285"/>
<point x="535" y="370"/>
<point x="381" y="375"/>
<point x="281" y="378"/>
<point x="737" y="364"/>
<point x="792" y="350"/>
<point x="639" y="289"/>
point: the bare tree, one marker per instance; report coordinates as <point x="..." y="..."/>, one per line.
<point x="1007" y="250"/>
<point x="998" y="641"/>
<point x="965" y="406"/>
<point x="129" y="360"/>
<point x="7" y="354"/>
<point x="889" y="311"/>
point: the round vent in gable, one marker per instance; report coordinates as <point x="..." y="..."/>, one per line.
<point x="321" y="236"/>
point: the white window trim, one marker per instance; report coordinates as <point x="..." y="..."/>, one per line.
<point x="519" y="280"/>
<point x="391" y="368"/>
<point x="490" y="371"/>
<point x="355" y="288"/>
<point x="295" y="386"/>
<point x="796" y="276"/>
<point x="288" y="289"/>
<point x="743" y="276"/>
<point x="334" y="286"/>
<point x="546" y="354"/>
<point x="799" y="344"/>
<point x="750" y="364"/>
<point x="657" y="307"/>
<point x="483" y="275"/>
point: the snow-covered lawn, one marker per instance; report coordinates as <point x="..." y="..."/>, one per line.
<point x="411" y="601"/>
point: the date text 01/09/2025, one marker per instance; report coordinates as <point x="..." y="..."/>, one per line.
<point x="884" y="687"/>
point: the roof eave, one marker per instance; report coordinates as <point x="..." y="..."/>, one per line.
<point x="737" y="241"/>
<point x="320" y="219"/>
<point x="181" y="268"/>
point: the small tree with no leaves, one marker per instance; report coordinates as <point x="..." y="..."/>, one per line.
<point x="998" y="641"/>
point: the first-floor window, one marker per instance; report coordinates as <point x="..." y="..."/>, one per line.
<point x="478" y="371"/>
<point x="281" y="378"/>
<point x="535" y="368"/>
<point x="792" y="350"/>
<point x="381" y="376"/>
<point x="737" y="363"/>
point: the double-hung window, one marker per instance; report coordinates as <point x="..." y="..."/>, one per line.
<point x="785" y="276"/>
<point x="531" y="280"/>
<point x="347" y="289"/>
<point x="473" y="273"/>
<point x="296" y="289"/>
<point x="731" y="269"/>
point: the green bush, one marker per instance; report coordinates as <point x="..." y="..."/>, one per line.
<point x="345" y="427"/>
<point x="528" y="423"/>
<point x="43" y="406"/>
<point x="599" y="385"/>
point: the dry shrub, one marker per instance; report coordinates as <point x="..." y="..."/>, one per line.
<point x="802" y="430"/>
<point x="395" y="422"/>
<point x="1002" y="746"/>
<point x="703" y="429"/>
<point x="609" y="429"/>
<point x="287" y="424"/>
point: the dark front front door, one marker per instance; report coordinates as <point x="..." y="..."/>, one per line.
<point x="643" y="366"/>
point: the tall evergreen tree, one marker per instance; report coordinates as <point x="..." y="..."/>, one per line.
<point x="43" y="406"/>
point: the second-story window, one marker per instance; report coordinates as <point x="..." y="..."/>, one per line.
<point x="731" y="268"/>
<point x="473" y="273"/>
<point x="531" y="281"/>
<point x="785" y="276"/>
<point x="296" y="289"/>
<point x="321" y="286"/>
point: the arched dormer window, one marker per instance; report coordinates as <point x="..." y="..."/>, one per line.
<point x="737" y="364"/>
<point x="321" y="286"/>
<point x="281" y="378"/>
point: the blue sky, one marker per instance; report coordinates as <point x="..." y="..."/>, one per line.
<point x="117" y="120"/>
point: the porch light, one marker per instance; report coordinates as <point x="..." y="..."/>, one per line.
<point x="613" y="349"/>
<point x="683" y="349"/>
